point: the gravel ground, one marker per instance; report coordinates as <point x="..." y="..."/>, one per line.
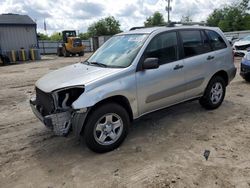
<point x="163" y="149"/>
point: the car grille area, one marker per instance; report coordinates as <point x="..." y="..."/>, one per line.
<point x="44" y="102"/>
<point x="243" y="47"/>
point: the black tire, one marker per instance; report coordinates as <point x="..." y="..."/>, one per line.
<point x="1" y="61"/>
<point x="81" y="53"/>
<point x="206" y="101"/>
<point x="91" y="124"/>
<point x="65" y="52"/>
<point x="247" y="78"/>
<point x="59" y="52"/>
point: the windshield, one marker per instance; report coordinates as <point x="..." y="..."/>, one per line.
<point x="246" y="38"/>
<point x="119" y="51"/>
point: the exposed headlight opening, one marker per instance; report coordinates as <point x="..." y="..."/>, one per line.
<point x="65" y="97"/>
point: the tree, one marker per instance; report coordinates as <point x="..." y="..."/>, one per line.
<point x="56" y="36"/>
<point x="155" y="20"/>
<point x="84" y="36"/>
<point x="42" y="36"/>
<point x="231" y="18"/>
<point x="186" y="19"/>
<point x="106" y="26"/>
<point x="215" y="17"/>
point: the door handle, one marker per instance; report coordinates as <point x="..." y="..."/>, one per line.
<point x="210" y="57"/>
<point x="178" y="67"/>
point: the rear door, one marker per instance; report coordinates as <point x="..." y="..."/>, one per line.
<point x="198" y="59"/>
<point x="222" y="54"/>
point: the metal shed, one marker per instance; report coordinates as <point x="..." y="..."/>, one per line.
<point x="16" y="32"/>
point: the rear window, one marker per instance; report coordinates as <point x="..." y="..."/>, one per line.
<point x="194" y="43"/>
<point x="216" y="40"/>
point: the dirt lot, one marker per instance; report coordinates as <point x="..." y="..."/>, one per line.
<point x="164" y="149"/>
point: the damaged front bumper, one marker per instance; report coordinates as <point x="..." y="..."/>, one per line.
<point x="59" y="122"/>
<point x="240" y="52"/>
<point x="62" y="122"/>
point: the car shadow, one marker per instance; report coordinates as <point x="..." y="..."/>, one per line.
<point x="67" y="151"/>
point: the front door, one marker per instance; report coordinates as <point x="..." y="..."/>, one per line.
<point x="161" y="87"/>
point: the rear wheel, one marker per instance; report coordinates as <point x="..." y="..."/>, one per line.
<point x="106" y="128"/>
<point x="65" y="52"/>
<point x="214" y="93"/>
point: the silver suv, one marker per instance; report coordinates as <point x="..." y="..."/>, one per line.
<point x="132" y="74"/>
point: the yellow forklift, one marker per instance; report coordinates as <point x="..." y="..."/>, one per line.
<point x="71" y="44"/>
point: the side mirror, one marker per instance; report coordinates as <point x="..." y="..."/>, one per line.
<point x="150" y="63"/>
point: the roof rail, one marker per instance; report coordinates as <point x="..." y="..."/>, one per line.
<point x="173" y="24"/>
<point x="134" y="28"/>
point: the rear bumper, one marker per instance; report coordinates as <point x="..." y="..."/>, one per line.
<point x="232" y="73"/>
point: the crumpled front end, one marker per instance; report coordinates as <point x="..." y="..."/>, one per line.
<point x="54" y="109"/>
<point x="241" y="49"/>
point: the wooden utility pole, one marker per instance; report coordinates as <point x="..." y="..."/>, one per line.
<point x="168" y="9"/>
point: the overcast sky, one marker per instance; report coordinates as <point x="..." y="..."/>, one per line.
<point x="79" y="14"/>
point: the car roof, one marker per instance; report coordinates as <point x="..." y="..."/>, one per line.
<point x="150" y="30"/>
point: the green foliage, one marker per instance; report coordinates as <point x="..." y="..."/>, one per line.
<point x="186" y="19"/>
<point x="106" y="26"/>
<point x="155" y="20"/>
<point x="84" y="36"/>
<point x="56" y="36"/>
<point x="231" y="18"/>
<point x="42" y="36"/>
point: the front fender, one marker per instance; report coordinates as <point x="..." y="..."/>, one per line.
<point x="125" y="86"/>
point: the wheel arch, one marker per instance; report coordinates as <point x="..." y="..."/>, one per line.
<point x="223" y="74"/>
<point x="118" y="99"/>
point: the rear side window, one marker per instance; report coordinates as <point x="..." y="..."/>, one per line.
<point x="164" y="47"/>
<point x="194" y="43"/>
<point x="216" y="40"/>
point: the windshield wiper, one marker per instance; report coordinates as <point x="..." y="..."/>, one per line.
<point x="101" y="64"/>
<point x="86" y="62"/>
<point x="98" y="64"/>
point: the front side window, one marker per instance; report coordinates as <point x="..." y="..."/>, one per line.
<point x="119" y="51"/>
<point x="246" y="38"/>
<point x="216" y="40"/>
<point x="164" y="47"/>
<point x="193" y="43"/>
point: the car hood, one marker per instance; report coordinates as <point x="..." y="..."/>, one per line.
<point x="241" y="43"/>
<point x="73" y="75"/>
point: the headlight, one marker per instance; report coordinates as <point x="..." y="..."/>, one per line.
<point x="65" y="97"/>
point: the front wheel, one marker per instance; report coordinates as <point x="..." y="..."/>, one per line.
<point x="106" y="128"/>
<point x="81" y="53"/>
<point x="214" y="93"/>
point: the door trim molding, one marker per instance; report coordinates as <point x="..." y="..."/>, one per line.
<point x="174" y="90"/>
